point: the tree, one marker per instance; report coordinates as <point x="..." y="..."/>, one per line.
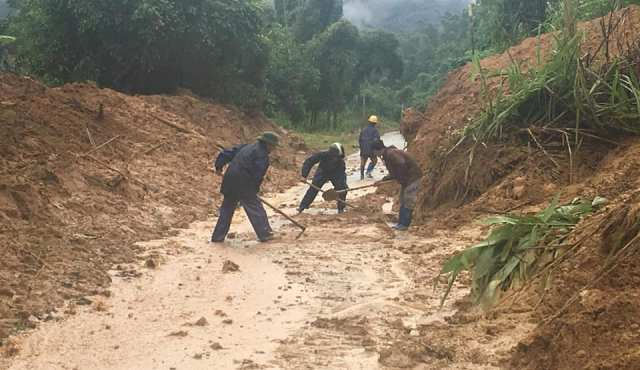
<point x="315" y="16"/>
<point x="378" y="57"/>
<point x="291" y="78"/>
<point x="334" y="53"/>
<point x="213" y="47"/>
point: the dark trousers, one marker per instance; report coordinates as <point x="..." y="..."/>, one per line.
<point x="372" y="164"/>
<point x="339" y="182"/>
<point x="254" y="209"/>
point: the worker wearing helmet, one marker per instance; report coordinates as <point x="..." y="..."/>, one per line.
<point x="247" y="167"/>
<point x="368" y="136"/>
<point x="331" y="167"/>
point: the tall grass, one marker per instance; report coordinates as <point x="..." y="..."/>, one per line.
<point x="569" y="91"/>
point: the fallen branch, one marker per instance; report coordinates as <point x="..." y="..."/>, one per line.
<point x="178" y="127"/>
<point x="99" y="146"/>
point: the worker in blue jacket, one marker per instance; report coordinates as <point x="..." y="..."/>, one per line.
<point x="331" y="167"/>
<point x="368" y="136"/>
<point x="247" y="168"/>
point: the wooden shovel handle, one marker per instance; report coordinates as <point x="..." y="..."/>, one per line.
<point x="302" y="227"/>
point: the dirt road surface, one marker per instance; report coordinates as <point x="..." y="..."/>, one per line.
<point x="350" y="294"/>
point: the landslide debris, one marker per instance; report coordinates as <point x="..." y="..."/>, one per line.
<point x="85" y="173"/>
<point x="586" y="316"/>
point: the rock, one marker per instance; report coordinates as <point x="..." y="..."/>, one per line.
<point x="581" y="353"/>
<point x="198" y="356"/>
<point x="151" y="263"/>
<point x="518" y="191"/>
<point x="216" y="346"/>
<point x="230" y="266"/>
<point x="83" y="301"/>
<point x="550" y="188"/>
<point x="519" y="181"/>
<point x="179" y="333"/>
<point x="232" y="235"/>
<point x="414" y="333"/>
<point x="227" y="321"/>
<point x="202" y="322"/>
<point x="6" y="292"/>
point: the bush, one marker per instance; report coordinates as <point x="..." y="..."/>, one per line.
<point x="213" y="47"/>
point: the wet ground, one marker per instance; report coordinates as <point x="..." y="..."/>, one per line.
<point x="349" y="294"/>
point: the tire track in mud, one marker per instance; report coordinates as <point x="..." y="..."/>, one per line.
<point x="345" y="296"/>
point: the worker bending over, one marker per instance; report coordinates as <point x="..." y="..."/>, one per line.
<point x="331" y="167"/>
<point x="248" y="165"/>
<point x="405" y="170"/>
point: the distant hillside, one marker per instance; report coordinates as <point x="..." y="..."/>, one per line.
<point x="400" y="15"/>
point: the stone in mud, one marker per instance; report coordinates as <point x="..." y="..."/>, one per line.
<point x="179" y="333"/>
<point x="230" y="266"/>
<point x="151" y="263"/>
<point x="216" y="346"/>
<point x="201" y="322"/>
<point x="6" y="292"/>
<point x="83" y="301"/>
<point x="227" y="321"/>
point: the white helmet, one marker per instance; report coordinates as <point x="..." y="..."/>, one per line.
<point x="337" y="147"/>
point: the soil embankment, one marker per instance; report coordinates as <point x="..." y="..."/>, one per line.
<point x="85" y="173"/>
<point x="600" y="328"/>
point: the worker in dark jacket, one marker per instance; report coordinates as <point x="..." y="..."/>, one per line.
<point x="406" y="171"/>
<point x="368" y="136"/>
<point x="331" y="167"/>
<point x="248" y="165"/>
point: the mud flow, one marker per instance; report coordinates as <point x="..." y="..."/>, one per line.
<point x="349" y="294"/>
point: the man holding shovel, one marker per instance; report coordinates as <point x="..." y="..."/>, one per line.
<point x="405" y="170"/>
<point x="331" y="167"/>
<point x="248" y="165"/>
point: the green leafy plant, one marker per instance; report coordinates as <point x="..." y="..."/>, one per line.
<point x="517" y="248"/>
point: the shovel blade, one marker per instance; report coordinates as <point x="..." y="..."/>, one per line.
<point x="330" y="195"/>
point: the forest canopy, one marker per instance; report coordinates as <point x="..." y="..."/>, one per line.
<point x="311" y="64"/>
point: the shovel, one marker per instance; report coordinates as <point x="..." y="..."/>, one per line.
<point x="302" y="227"/>
<point x="333" y="194"/>
<point x="329" y="195"/>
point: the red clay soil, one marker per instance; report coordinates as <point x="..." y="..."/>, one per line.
<point x="432" y="134"/>
<point x="601" y="330"/>
<point x="71" y="209"/>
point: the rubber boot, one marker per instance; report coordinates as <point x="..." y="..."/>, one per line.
<point x="404" y="219"/>
<point x="370" y="169"/>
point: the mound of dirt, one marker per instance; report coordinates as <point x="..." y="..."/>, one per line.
<point x="433" y="134"/>
<point x="600" y="329"/>
<point x="85" y="173"/>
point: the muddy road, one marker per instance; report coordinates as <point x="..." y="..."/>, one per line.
<point x="350" y="294"/>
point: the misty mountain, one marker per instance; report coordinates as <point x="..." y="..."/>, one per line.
<point x="400" y="15"/>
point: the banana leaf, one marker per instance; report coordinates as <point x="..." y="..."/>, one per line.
<point x="516" y="246"/>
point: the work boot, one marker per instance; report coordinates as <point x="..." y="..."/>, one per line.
<point x="404" y="219"/>
<point x="400" y="227"/>
<point x="299" y="210"/>
<point x="269" y="237"/>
